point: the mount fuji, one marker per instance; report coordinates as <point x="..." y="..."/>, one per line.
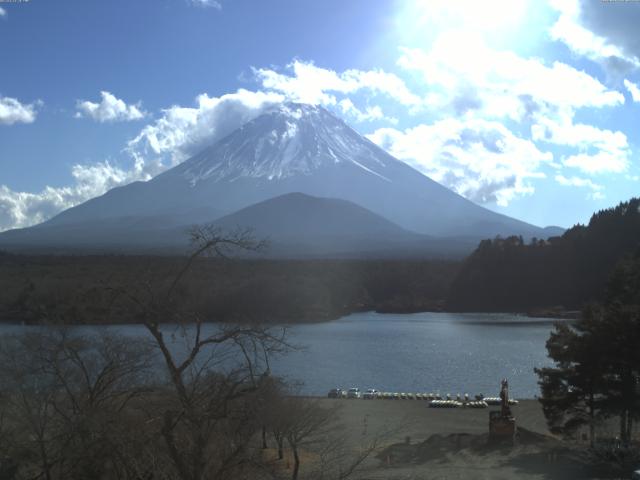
<point x="292" y="148"/>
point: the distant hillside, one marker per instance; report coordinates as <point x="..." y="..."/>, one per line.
<point x="297" y="215"/>
<point x="296" y="226"/>
<point x="513" y="275"/>
<point x="299" y="225"/>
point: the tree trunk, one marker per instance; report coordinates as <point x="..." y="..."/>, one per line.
<point x="296" y="463"/>
<point x="45" y="461"/>
<point x="628" y="399"/>
<point x="591" y="421"/>
<point x="264" y="437"/>
<point x="623" y="426"/>
<point x="280" y="441"/>
<point x="167" y="432"/>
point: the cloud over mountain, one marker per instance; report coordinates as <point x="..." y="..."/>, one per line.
<point x="305" y="82"/>
<point x="183" y="131"/>
<point x="23" y="209"/>
<point x="479" y="159"/>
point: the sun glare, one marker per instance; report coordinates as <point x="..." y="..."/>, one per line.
<point x="420" y="21"/>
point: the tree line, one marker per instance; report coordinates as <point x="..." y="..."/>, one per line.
<point x="567" y="272"/>
<point x="72" y="289"/>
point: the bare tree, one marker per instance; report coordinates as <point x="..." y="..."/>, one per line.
<point x="308" y="424"/>
<point x="276" y="419"/>
<point x="208" y="418"/>
<point x="63" y="395"/>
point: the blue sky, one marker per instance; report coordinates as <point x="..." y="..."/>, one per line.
<point x="527" y="107"/>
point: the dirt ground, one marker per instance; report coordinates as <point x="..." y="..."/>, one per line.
<point x="447" y="444"/>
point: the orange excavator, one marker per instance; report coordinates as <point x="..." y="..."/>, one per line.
<point x="502" y="424"/>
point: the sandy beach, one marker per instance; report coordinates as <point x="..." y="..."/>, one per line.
<point x="448" y="444"/>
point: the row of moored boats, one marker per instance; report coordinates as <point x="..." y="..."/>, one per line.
<point x="435" y="400"/>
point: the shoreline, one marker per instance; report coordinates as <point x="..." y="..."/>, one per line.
<point x="551" y="314"/>
<point x="523" y="400"/>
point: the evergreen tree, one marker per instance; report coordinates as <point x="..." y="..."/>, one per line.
<point x="597" y="360"/>
<point x="571" y="390"/>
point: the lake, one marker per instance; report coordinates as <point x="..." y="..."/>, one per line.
<point x="423" y="352"/>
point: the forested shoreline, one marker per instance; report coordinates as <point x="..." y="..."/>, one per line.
<point x="557" y="274"/>
<point x="555" y="277"/>
<point x="79" y="289"/>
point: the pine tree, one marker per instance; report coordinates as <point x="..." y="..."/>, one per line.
<point x="597" y="360"/>
<point x="571" y="391"/>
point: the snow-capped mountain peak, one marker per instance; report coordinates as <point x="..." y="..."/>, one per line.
<point x="291" y="139"/>
<point x="295" y="148"/>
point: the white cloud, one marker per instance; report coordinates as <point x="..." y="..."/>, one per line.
<point x="634" y="90"/>
<point x="184" y="131"/>
<point x="178" y="134"/>
<point x="596" y="189"/>
<point x="110" y="109"/>
<point x="3" y="12"/>
<point x="599" y="150"/>
<point x="487" y="16"/>
<point x="477" y="81"/>
<point x="307" y="83"/>
<point x="479" y="159"/>
<point x="371" y="113"/>
<point x="602" y="33"/>
<point x="600" y="162"/>
<point x="12" y="111"/>
<point x="23" y="209"/>
<point x="207" y="3"/>
<point x="464" y="73"/>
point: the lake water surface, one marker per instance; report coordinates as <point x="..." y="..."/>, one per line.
<point x="422" y="352"/>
